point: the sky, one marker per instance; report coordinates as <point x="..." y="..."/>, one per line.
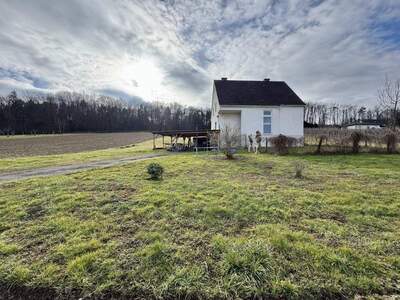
<point x="327" y="51"/>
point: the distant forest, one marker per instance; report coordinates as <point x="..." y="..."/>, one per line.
<point x="322" y="114"/>
<point x="73" y="112"/>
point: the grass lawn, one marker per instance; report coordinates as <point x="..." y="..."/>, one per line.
<point x="211" y="228"/>
<point x="31" y="162"/>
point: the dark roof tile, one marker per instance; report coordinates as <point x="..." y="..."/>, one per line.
<point x="241" y="92"/>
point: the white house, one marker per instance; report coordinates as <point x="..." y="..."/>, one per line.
<point x="268" y="106"/>
<point x="365" y="124"/>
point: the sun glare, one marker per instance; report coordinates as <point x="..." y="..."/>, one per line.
<point x="141" y="77"/>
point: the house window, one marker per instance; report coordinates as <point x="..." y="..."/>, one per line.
<point x="267" y="121"/>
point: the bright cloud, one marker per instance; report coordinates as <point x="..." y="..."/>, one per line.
<point x="336" y="51"/>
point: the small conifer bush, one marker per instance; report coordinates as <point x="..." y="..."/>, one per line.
<point x="155" y="171"/>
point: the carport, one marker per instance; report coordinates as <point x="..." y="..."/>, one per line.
<point x="187" y="140"/>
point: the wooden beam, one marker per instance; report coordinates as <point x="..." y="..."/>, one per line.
<point x="154" y="142"/>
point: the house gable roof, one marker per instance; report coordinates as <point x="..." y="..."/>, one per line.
<point x="241" y="92"/>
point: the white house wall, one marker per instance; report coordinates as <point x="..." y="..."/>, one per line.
<point x="231" y="120"/>
<point x="287" y="120"/>
<point x="292" y="121"/>
<point x="214" y="110"/>
<point x="252" y="119"/>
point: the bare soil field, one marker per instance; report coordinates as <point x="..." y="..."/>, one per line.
<point x="67" y="143"/>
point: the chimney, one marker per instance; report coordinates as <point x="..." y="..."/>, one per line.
<point x="224" y="78"/>
<point x="266" y="79"/>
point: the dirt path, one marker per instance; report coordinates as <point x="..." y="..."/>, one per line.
<point x="68" y="169"/>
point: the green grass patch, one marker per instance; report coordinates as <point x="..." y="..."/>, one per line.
<point x="211" y="228"/>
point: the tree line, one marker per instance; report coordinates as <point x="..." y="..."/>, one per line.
<point x="68" y="112"/>
<point x="321" y="115"/>
<point x="385" y="111"/>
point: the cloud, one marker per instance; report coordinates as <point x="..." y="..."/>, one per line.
<point x="332" y="50"/>
<point x="129" y="99"/>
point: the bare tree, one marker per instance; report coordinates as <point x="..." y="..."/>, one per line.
<point x="230" y="139"/>
<point x="389" y="98"/>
